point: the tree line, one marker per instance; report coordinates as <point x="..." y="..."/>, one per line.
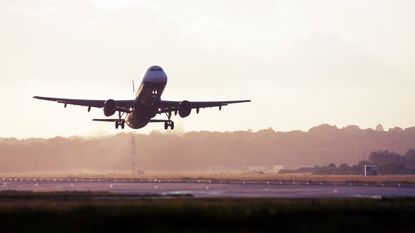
<point x="388" y="162"/>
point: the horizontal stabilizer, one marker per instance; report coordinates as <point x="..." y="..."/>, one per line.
<point x="157" y="120"/>
<point x="108" y="120"/>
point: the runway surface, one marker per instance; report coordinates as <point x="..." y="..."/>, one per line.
<point x="210" y="188"/>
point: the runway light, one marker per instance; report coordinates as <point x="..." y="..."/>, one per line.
<point x="156" y="187"/>
<point x="111" y="186"/>
<point x="207" y="188"/>
<point x="399" y="185"/>
<point x="335" y="191"/>
<point x="71" y="185"/>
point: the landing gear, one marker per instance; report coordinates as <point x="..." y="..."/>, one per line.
<point x="120" y="123"/>
<point x="168" y="124"/>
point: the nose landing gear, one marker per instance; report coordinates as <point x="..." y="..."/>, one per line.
<point x="168" y="124"/>
<point x="120" y="123"/>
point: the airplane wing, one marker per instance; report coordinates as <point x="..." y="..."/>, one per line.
<point x="171" y="106"/>
<point x="122" y="105"/>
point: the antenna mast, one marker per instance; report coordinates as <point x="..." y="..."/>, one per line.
<point x="133" y="155"/>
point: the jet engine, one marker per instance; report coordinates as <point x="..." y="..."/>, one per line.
<point x="185" y="107"/>
<point x="110" y="106"/>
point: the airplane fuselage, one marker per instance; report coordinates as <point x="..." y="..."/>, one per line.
<point x="148" y="97"/>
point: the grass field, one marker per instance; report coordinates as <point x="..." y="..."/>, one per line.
<point x="26" y="213"/>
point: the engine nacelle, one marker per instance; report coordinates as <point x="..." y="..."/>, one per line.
<point x="110" y="106"/>
<point x="185" y="107"/>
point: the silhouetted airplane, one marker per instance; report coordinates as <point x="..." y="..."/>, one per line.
<point x="146" y="105"/>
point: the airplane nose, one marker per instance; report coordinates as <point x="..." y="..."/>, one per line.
<point x="155" y="77"/>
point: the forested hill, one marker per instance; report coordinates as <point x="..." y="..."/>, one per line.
<point x="202" y="150"/>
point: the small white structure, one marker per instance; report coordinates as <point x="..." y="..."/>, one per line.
<point x="277" y="168"/>
<point x="257" y="169"/>
<point x="371" y="170"/>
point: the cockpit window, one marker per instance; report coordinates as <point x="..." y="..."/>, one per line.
<point x="155" y="68"/>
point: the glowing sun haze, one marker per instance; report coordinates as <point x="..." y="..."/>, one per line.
<point x="302" y="63"/>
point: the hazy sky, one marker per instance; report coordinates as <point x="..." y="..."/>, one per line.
<point x="302" y="63"/>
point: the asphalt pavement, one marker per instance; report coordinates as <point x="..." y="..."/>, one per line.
<point x="211" y="188"/>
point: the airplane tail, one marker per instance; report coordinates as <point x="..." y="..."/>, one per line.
<point x="133" y="85"/>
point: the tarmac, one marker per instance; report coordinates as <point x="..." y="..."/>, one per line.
<point x="211" y="188"/>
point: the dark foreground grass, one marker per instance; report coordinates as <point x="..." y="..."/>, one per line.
<point x="208" y="215"/>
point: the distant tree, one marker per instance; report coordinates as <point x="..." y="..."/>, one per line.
<point x="393" y="169"/>
<point x="379" y="128"/>
<point x="396" y="130"/>
<point x="383" y="158"/>
<point x="410" y="130"/>
<point x="410" y="158"/>
<point x="356" y="169"/>
<point x="324" y="128"/>
<point x="363" y="163"/>
<point x="352" y="127"/>
<point x="394" y="163"/>
<point x="344" y="168"/>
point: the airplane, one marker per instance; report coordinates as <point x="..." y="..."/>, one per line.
<point x="146" y="105"/>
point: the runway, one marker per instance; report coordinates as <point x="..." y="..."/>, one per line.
<point x="210" y="188"/>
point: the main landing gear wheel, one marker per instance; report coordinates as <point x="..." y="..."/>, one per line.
<point x="168" y="124"/>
